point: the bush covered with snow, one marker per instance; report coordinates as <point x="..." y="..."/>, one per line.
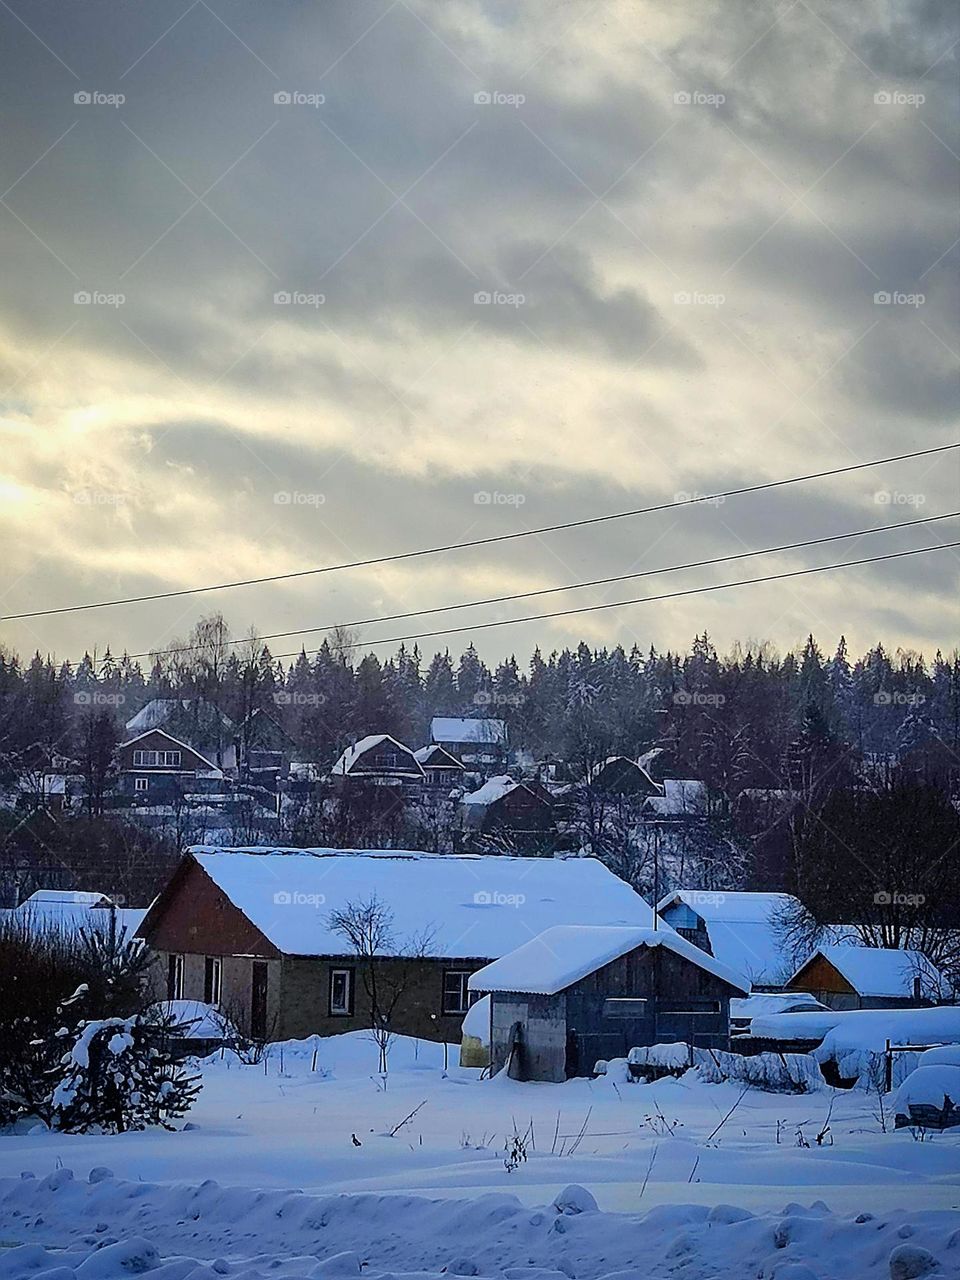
<point x="121" y="1074"/>
<point x="773" y="1072"/>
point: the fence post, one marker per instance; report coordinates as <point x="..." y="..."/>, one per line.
<point x="888" y="1069"/>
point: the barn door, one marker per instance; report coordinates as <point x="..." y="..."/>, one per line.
<point x="258" y="1001"/>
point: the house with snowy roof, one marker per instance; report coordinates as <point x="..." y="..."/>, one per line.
<point x="621" y="776"/>
<point x="479" y="743"/>
<point x="742" y="930"/>
<point x="505" y="805"/>
<point x="678" y="798"/>
<point x="194" y="721"/>
<point x="263" y="929"/>
<point x="578" y="994"/>
<point x="440" y="767"/>
<point x="847" y="976"/>
<point x="67" y="910"/>
<point x="155" y="768"/>
<point x="378" y="759"/>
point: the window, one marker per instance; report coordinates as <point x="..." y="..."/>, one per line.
<point x="156" y="759"/>
<point x="175" y="977"/>
<point x="141" y="784"/>
<point x="341" y="992"/>
<point x="212" y="980"/>
<point x="456" y="997"/>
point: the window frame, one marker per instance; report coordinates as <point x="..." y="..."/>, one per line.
<point x="175" y="975"/>
<point x="141" y="784"/>
<point x="347" y="1009"/>
<point x="213" y="980"/>
<point x="467" y="997"/>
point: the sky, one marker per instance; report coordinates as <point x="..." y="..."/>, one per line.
<point x="287" y="285"/>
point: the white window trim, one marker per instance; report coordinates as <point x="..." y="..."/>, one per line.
<point x="345" y="1010"/>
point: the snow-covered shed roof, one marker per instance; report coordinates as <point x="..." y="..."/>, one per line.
<point x="742" y="928"/>
<point x="680" y="796"/>
<point x="463" y="730"/>
<point x="562" y="955"/>
<point x="352" y="756"/>
<point x="63" y="909"/>
<point x="470" y="905"/>
<point x="880" y="971"/>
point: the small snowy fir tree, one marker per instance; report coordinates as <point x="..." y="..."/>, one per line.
<point x="121" y="1074"/>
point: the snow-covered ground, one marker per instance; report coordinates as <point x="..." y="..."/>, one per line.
<point x="261" y="1176"/>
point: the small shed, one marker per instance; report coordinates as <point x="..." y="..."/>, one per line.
<point x="578" y="993"/>
<point x="858" y="977"/>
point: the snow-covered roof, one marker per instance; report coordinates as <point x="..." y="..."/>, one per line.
<point x="742" y="928"/>
<point x="352" y="756"/>
<point x="492" y="790"/>
<point x="153" y="713"/>
<point x="477" y="906"/>
<point x="437" y="757"/>
<point x="60" y="909"/>
<point x="460" y="729"/>
<point x="65" y="897"/>
<point x="756" y="1006"/>
<point x="881" y="971"/>
<point x="562" y="955"/>
<point x="680" y="796"/>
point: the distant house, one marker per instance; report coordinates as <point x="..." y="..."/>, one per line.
<point x="621" y="776"/>
<point x="503" y="804"/>
<point x="65" y="910"/>
<point x="192" y="720"/>
<point x="440" y="768"/>
<point x="378" y="759"/>
<point x="156" y="768"/>
<point x="479" y="744"/>
<point x="739" y="929"/>
<point x="856" y="977"/>
<point x="576" y="994"/>
<point x="264" y="749"/>
<point x="251" y="931"/>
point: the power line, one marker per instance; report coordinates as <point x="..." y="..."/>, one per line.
<point x="480" y="542"/>
<point x="619" y="604"/>
<point x="570" y="586"/>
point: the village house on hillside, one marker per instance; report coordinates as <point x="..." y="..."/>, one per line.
<point x="479" y="744"/>
<point x="580" y="993"/>
<point x="858" y="977"/>
<point x="440" y="768"/>
<point x="378" y="759"/>
<point x="252" y="931"/>
<point x="192" y="720"/>
<point x="621" y="776"/>
<point x="505" y="806"/>
<point x="156" y="768"/>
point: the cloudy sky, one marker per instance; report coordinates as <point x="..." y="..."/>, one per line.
<point x="291" y="284"/>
